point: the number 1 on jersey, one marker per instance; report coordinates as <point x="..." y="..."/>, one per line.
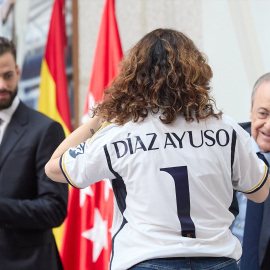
<point x="180" y="177"/>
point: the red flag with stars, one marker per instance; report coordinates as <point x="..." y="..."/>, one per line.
<point x="87" y="236"/>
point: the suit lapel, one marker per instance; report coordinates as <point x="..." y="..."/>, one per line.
<point x="15" y="130"/>
<point x="246" y="126"/>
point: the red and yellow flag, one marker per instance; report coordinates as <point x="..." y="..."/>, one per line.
<point x="53" y="98"/>
<point x="87" y="236"/>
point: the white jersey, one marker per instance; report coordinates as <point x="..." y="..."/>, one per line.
<point x="173" y="185"/>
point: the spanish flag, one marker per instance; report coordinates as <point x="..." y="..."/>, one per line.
<point x="53" y="98"/>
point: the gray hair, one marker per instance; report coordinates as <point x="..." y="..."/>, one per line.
<point x="263" y="78"/>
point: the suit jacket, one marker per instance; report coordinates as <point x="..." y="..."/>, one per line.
<point x="264" y="249"/>
<point x="30" y="203"/>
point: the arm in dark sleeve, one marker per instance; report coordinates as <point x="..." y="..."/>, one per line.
<point x="48" y="208"/>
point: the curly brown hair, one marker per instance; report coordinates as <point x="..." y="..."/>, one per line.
<point x="164" y="72"/>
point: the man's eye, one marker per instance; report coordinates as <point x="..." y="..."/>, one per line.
<point x="263" y="114"/>
<point x="8" y="76"/>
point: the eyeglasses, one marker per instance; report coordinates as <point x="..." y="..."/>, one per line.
<point x="262" y="114"/>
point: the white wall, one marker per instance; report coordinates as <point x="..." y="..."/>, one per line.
<point x="233" y="34"/>
<point x="237" y="41"/>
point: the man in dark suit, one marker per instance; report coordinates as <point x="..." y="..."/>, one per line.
<point x="252" y="225"/>
<point x="30" y="204"/>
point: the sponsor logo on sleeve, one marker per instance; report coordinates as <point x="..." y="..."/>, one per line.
<point x="74" y="152"/>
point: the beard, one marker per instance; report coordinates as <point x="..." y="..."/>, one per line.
<point x="6" y="103"/>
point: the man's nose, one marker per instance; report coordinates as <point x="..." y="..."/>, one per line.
<point x="267" y="123"/>
<point x="2" y="83"/>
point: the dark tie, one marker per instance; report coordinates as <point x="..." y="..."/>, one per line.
<point x="1" y="121"/>
<point x="254" y="216"/>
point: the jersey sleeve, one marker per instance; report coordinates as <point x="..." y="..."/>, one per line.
<point x="249" y="173"/>
<point x="86" y="164"/>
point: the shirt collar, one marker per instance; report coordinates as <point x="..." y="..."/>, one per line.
<point x="257" y="149"/>
<point x="255" y="145"/>
<point x="6" y="114"/>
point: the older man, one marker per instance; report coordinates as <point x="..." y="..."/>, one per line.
<point x="252" y="225"/>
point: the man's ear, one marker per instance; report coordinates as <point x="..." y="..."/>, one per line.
<point x="18" y="71"/>
<point x="250" y="111"/>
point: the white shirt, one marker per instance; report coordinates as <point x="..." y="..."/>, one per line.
<point x="173" y="185"/>
<point x="6" y="115"/>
